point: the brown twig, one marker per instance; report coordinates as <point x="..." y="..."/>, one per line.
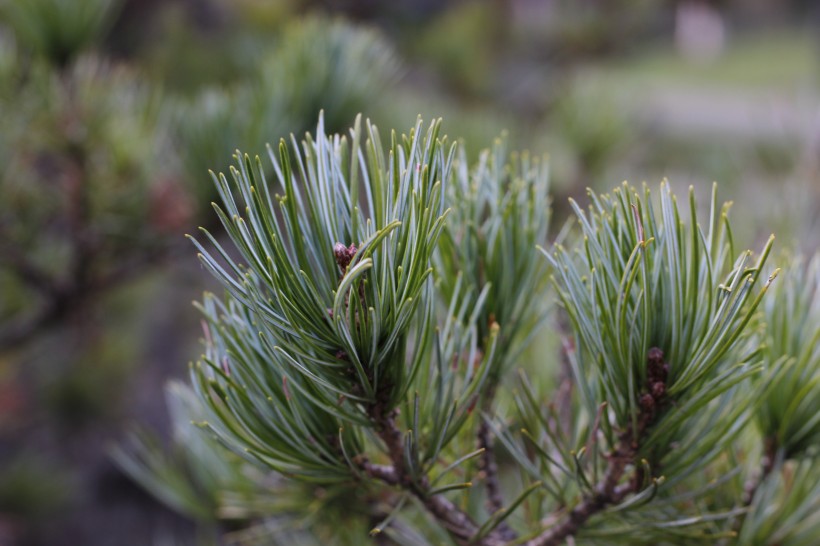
<point x="609" y="490"/>
<point x="606" y="492"/>
<point x="489" y="468"/>
<point x="581" y="513"/>
<point x="62" y="297"/>
<point x="766" y="466"/>
<point x="460" y="526"/>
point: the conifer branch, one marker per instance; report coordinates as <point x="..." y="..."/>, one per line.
<point x="767" y="465"/>
<point x="750" y="488"/>
<point x="329" y="345"/>
<point x="452" y="518"/>
<point x="488" y="466"/>
<point x="609" y="490"/>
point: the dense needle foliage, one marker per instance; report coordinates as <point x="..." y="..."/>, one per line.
<point x="370" y="361"/>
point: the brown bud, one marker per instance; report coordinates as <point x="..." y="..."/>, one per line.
<point x="655" y="356"/>
<point x="655" y="373"/>
<point x="658" y="390"/>
<point x="344" y="255"/>
<point x="647" y="402"/>
<point x="340" y="252"/>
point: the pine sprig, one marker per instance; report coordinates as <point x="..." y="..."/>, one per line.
<point x="788" y="415"/>
<point x="365" y="331"/>
<point x="643" y="280"/>
<point x="317" y="325"/>
<point x="657" y="309"/>
<point x="500" y="214"/>
<point x="785" y="488"/>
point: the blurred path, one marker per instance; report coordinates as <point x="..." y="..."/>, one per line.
<point x="697" y="111"/>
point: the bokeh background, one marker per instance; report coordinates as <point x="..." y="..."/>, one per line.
<point x="113" y="111"/>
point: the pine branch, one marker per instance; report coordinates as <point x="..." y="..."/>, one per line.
<point x="63" y="296"/>
<point x="457" y="523"/>
<point x="500" y="212"/>
<point x="767" y="464"/>
<point x="381" y="472"/>
<point x="488" y="466"/>
<point x="306" y="362"/>
<point x="609" y="490"/>
<point x="452" y="518"/>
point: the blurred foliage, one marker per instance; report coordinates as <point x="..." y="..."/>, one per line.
<point x="204" y="480"/>
<point x="788" y="412"/>
<point x="194" y="480"/>
<point x="32" y="486"/>
<point x="318" y="64"/>
<point x="460" y="46"/>
<point x="328" y="65"/>
<point x="85" y="150"/>
<point x="58" y="30"/>
<point x="786" y="508"/>
<point x="782" y="493"/>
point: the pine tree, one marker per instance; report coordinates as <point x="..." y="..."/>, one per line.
<point x="364" y="368"/>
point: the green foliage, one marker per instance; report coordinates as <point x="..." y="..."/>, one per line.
<point x="58" y="30"/>
<point x="643" y="280"/>
<point x="659" y="310"/>
<point x="786" y="507"/>
<point x="76" y="145"/>
<point x="205" y="481"/>
<point x="784" y="504"/>
<point x="376" y="295"/>
<point x="500" y="213"/>
<point x="317" y="64"/>
<point x="788" y="412"/>
<point x="324" y="309"/>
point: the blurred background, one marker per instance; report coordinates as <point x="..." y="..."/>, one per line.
<point x="113" y="111"/>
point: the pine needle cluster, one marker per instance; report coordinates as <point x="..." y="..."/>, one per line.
<point x="366" y="365"/>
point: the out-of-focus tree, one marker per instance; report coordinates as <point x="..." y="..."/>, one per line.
<point x="317" y="63"/>
<point x="90" y="195"/>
